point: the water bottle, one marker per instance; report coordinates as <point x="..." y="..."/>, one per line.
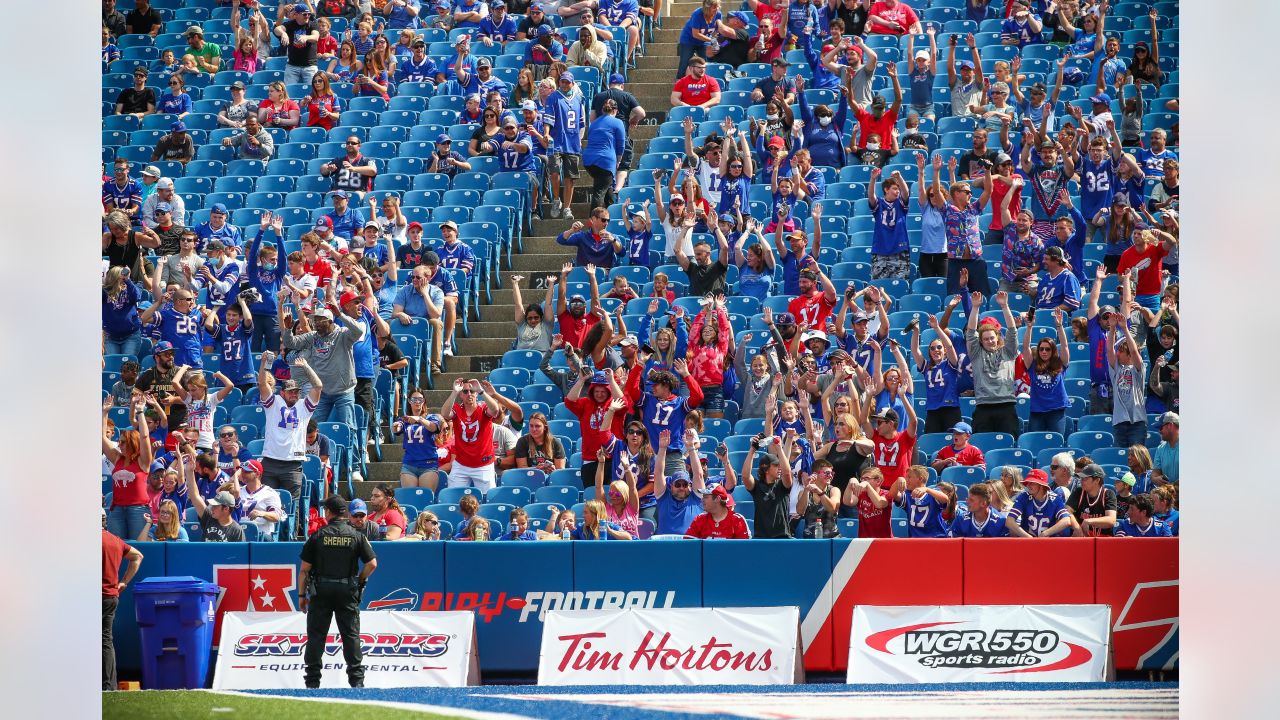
<point x="514" y="529"/>
<point x="817" y="528"/>
<point x="382" y="530"/>
<point x="564" y="533"/>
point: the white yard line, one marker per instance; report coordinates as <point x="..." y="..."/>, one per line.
<point x="418" y="707"/>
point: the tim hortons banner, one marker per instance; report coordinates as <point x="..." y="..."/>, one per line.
<point x="678" y="646"/>
<point x="980" y="643"/>
<point x="263" y="650"/>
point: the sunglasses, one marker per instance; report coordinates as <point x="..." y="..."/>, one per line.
<point x="635" y="432"/>
<point x="468" y="392"/>
<point x="352" y="142"/>
<point x="226" y="435"/>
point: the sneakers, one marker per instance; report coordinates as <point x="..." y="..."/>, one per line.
<point x="567" y="214"/>
<point x="356" y="476"/>
<point x="556" y="207"/>
<point x="448" y="350"/>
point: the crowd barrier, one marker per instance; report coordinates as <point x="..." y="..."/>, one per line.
<point x="511" y="585"/>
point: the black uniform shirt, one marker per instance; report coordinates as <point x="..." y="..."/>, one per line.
<point x="334" y="549"/>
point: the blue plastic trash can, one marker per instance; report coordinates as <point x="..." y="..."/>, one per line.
<point x="176" y="619"/>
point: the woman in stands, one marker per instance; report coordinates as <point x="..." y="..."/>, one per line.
<point x="322" y="105"/>
<point x="130" y="460"/>
<point x="564" y="520"/>
<point x="993" y="357"/>
<point x="823" y="128"/>
<point x="346" y="65"/>
<point x="235" y="110"/>
<point x="166" y="526"/>
<point x="278" y="110"/>
<point x="387" y="513"/>
<point x="819" y="502"/>
<point x="1120" y="221"/>
<point x="755" y="264"/>
<point x="710" y="352"/>
<point x="418" y="429"/>
<point x="849" y="454"/>
<point x="489" y="129"/>
<point x="532" y="332"/>
<point x="1010" y="480"/>
<point x="622" y="500"/>
<point x="1165" y="500"/>
<point x="893" y="388"/>
<point x="387" y="57"/>
<point x="121" y="328"/>
<point x="177" y="102"/>
<point x="1047" y="374"/>
<point x="671" y="216"/>
<point x="525" y="88"/>
<point x="373" y="80"/>
<point x="473" y="527"/>
<point x="425" y="527"/>
<point x="1140" y="464"/>
<point x="941" y="374"/>
<point x="538" y="448"/>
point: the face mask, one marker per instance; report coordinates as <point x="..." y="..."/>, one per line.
<point x="873" y="146"/>
<point x="269" y="268"/>
<point x="824" y="121"/>
<point x="771" y="118"/>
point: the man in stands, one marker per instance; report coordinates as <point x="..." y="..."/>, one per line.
<point x="813" y="306"/>
<point x="705" y="276"/>
<point x="473" y="435"/>
<point x="300" y="34"/>
<point x="329" y="346"/>
<point x="1165" y="456"/>
<point x="696" y="88"/>
<point x="418" y="67"/>
<point x="164" y="194"/>
<point x="258" y="503"/>
<point x="284" y="442"/>
<point x="894" y="449"/>
<point x="352" y="172"/>
<point x="892" y="17"/>
<point x="718" y="519"/>
<point x="1141" y="520"/>
<point x="960" y="452"/>
<point x="595" y="245"/>
<point x="571" y="312"/>
<point x="122" y="192"/>
<point x="769" y="85"/>
<point x="981" y="520"/>
<point x="443" y="280"/>
<point x="253" y="143"/>
<point x="453" y="253"/>
<point x="677" y="504"/>
<point x="175" y="146"/>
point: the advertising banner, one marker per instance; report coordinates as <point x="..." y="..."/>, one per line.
<point x="980" y="643"/>
<point x="263" y="650"/>
<point x="691" y="646"/>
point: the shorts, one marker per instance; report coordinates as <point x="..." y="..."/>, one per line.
<point x="628" y="156"/>
<point x="897" y="265"/>
<point x="713" y="398"/>
<point x="482" y="478"/>
<point x="925" y="110"/>
<point x="418" y="470"/>
<point x="567" y="165"/>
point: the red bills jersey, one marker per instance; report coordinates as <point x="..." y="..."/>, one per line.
<point x="473" y="436"/>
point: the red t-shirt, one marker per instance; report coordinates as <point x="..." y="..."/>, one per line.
<point x="893" y="456"/>
<point x="573" y="329"/>
<point x="1021" y="378"/>
<point x="696" y="92"/>
<point x="389" y="518"/>
<point x="274" y="113"/>
<point x="113" y="551"/>
<point x="129" y="485"/>
<point x="327" y="45"/>
<point x="1149" y="264"/>
<point x="868" y="124"/>
<point x="733" y="527"/>
<point x="591" y="418"/>
<point x="970" y="455"/>
<point x="329" y="103"/>
<point x="812" y="310"/>
<point x="473" y="436"/>
<point x="900" y="13"/>
<point x="998" y="190"/>
<point x="873" y="522"/>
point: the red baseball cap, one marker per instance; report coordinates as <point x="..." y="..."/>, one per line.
<point x="347" y="297"/>
<point x="252" y="466"/>
<point x="720" y="492"/>
<point x="777" y="141"/>
<point x="1036" y="476"/>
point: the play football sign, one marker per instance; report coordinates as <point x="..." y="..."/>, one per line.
<point x="980" y="643"/>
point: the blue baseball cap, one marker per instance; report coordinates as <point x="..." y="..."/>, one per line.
<point x="218" y="208"/>
<point x="164" y="207"/>
<point x="543" y="29"/>
<point x="616" y="79"/>
<point x="300" y="8"/>
<point x="357" y="507"/>
<point x="443" y="138"/>
<point x="339" y="193"/>
<point x="962" y="427"/>
<point x="727" y="217"/>
<point x="965" y="65"/>
<point x="1101" y="99"/>
<point x="162" y="346"/>
<point x="599" y="378"/>
<point x="178" y="126"/>
<point x="678" y="476"/>
<point x="740" y="16"/>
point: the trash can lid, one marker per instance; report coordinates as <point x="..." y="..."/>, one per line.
<point x="178" y="583"/>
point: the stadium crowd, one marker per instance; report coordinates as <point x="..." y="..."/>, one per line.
<point x="801" y="248"/>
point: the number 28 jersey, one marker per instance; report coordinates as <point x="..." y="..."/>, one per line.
<point x="286" y="434"/>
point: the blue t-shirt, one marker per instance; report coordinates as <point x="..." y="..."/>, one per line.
<point x="924" y="515"/>
<point x="120" y="316"/>
<point x="578" y="533"/>
<point x="638" y="242"/>
<point x="1152" y="162"/>
<point x="226" y="463"/>
<point x="568" y="114"/>
<point x="966" y="527"/>
<point x="922" y="87"/>
<point x="890" y="234"/>
<point x="675" y="517"/>
<point x="419" y="444"/>
<point x="174" y="104"/>
<point x="365" y="350"/>
<point x="698" y="22"/>
<point x="753" y="283"/>
<point x="1156" y="528"/>
<point x="669" y="415"/>
<point x="504" y="31"/>
<point x="1110" y="67"/>
<point x="619" y="458"/>
<point x="1062" y="289"/>
<point x="400" y="18"/>
<point x="933" y="230"/>
<point x="591" y="248"/>
<point x="1048" y="391"/>
<point x="407" y="70"/>
<point x="1034" y="517"/>
<point x="606" y="141"/>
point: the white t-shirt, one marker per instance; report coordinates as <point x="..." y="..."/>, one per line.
<point x="286" y="434"/>
<point x="306" y="282"/>
<point x="200" y="416"/>
<point x="265" y="499"/>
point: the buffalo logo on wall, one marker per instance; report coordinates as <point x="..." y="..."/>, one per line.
<point x="951" y="644"/>
<point x="398" y="599"/>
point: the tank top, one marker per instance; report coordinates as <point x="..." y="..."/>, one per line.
<point x="817" y="513"/>
<point x="128" y="484"/>
<point x="846" y="464"/>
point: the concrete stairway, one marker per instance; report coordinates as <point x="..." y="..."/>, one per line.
<point x="491" y="336"/>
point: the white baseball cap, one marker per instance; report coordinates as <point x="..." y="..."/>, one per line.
<point x="922" y="55"/>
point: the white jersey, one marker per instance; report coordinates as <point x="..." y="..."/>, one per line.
<point x="200" y="416"/>
<point x="286" y="434"/>
<point x="265" y="499"/>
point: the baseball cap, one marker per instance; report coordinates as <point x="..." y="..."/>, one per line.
<point x="497" y="4"/>
<point x="323" y="224"/>
<point x="1048" y="145"/>
<point x="442" y="138"/>
<point x="1036" y="476"/>
<point x="339" y="193"/>
<point x="1107" y="310"/>
<point x="474" y="96"/>
<point x="727" y="217"/>
<point x="965" y="65"/>
<point x="616" y="79"/>
<point x="178" y="126"/>
<point x="164" y="183"/>
<point x="357" y="507"/>
<point x="224" y="499"/>
<point x="962" y="427"/>
<point x="151" y="171"/>
<point x="237" y="85"/>
<point x="785" y="318"/>
<point x="1101" y="99"/>
<point x="414" y="224"/>
<point x="576" y="298"/>
<point x="861" y="317"/>
<point x="1121" y="199"/>
<point x="878" y="100"/>
<point x="509" y="121"/>
<point x="218" y="208"/>
<point x="1127" y="478"/>
<point x="347" y="297"/>
<point x="1169" y="417"/>
<point x="678" y="476"/>
<point x="717" y="491"/>
<point x="194" y="30"/>
<point x="301" y="8"/>
<point x="776" y="142"/>
<point x="461" y="40"/>
<point x="253" y="466"/>
<point x="1093" y="470"/>
<point x="162" y="346"/>
<point x="599" y="378"/>
<point x="141" y="71"/>
<point x="675" y="197"/>
<point x="922" y="55"/>
<point x="164" y="207"/>
<point x="543" y="30"/>
<point x="566" y="77"/>
<point x="630" y="340"/>
<point x="484" y="62"/>
<point x="449" y="224"/>
<point x="888" y="414"/>
<point x="529" y="105"/>
<point x="740" y="17"/>
<point x="372" y="224"/>
<point x="213" y="247"/>
<point x="1056" y="253"/>
<point x="1003" y="158"/>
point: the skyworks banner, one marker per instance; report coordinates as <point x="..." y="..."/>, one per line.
<point x="687" y="646"/>
<point x="979" y="643"/>
<point x="263" y="650"/>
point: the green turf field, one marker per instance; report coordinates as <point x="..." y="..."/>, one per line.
<point x="188" y="705"/>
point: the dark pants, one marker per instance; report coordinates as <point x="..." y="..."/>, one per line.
<point x="933" y="264"/>
<point x="1130" y="433"/>
<point x="109" y="604"/>
<point x="997" y="417"/>
<point x="687" y="52"/>
<point x="601" y="187"/>
<point x="266" y="332"/>
<point x="341" y="599"/>
<point x="285" y="475"/>
<point x="589" y="475"/>
<point x="364" y="398"/>
<point x="1100" y="401"/>
<point x="977" y="275"/>
<point x="1050" y="421"/>
<point x="941" y="420"/>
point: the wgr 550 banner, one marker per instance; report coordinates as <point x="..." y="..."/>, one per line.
<point x="263" y="650"/>
<point x="682" y="646"/>
<point x="980" y="643"/>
